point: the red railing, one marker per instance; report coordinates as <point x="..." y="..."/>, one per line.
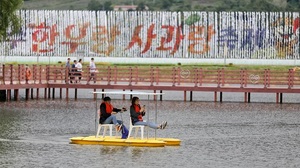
<point x="153" y="76"/>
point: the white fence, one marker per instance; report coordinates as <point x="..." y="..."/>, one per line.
<point x="209" y="35"/>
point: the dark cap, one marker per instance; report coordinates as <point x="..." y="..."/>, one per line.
<point x="106" y="99"/>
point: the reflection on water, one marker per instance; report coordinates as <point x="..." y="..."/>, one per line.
<point x="133" y="152"/>
<point x="137" y="153"/>
<point x="109" y="150"/>
<point x="36" y="134"/>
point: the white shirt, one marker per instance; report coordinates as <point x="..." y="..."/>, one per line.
<point x="92" y="66"/>
<point x="79" y="66"/>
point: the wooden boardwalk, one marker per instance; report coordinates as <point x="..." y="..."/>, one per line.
<point x="156" y="79"/>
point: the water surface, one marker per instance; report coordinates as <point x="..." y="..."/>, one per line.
<point x="36" y="133"/>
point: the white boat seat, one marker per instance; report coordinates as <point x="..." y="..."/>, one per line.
<point x="105" y="126"/>
<point x="137" y="127"/>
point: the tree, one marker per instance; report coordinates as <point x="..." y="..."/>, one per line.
<point x="293" y="5"/>
<point x="71" y="7"/>
<point x="263" y="5"/>
<point x="94" y="5"/>
<point x="9" y="17"/>
<point x="107" y="6"/>
<point x="165" y="4"/>
<point x="141" y="6"/>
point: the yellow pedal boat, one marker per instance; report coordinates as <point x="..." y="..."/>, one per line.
<point x="117" y="141"/>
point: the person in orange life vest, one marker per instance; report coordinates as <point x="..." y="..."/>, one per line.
<point x="137" y="112"/>
<point x="27" y="74"/>
<point x="106" y="111"/>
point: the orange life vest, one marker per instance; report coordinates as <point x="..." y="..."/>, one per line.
<point x="109" y="107"/>
<point x="137" y="109"/>
<point x="28" y="74"/>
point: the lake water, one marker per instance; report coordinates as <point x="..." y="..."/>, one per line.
<point x="36" y="133"/>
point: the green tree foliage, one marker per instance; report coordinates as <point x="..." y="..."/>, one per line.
<point x="183" y="5"/>
<point x="293" y="5"/>
<point x="9" y="17"/>
<point x="141" y="6"/>
<point x="262" y="5"/>
<point x="108" y="6"/>
<point x="166" y="4"/>
<point x="94" y="5"/>
<point x="71" y="7"/>
<point x="246" y="5"/>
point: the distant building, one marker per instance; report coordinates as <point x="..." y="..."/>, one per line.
<point x="127" y="7"/>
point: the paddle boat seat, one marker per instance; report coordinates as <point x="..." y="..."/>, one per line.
<point x="105" y="127"/>
<point x="137" y="127"/>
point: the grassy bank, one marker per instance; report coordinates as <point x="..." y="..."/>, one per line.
<point x="186" y="66"/>
<point x="208" y="66"/>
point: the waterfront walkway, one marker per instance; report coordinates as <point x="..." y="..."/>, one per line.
<point x="156" y="79"/>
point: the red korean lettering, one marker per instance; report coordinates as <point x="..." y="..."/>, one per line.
<point x="136" y="38"/>
<point x="164" y="40"/>
<point x="150" y="37"/>
<point x="73" y="41"/>
<point x="100" y="37"/>
<point x="198" y="36"/>
<point x="43" y="34"/>
<point x="179" y="38"/>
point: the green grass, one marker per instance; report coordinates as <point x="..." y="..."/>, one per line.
<point x="208" y="66"/>
<point x="185" y="66"/>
